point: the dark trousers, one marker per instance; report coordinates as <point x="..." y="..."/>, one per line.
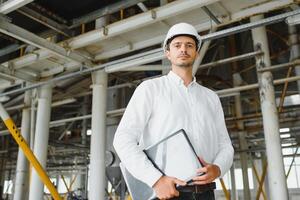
<point x="209" y="195"/>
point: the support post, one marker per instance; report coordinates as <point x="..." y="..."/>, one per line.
<point x="276" y="175"/>
<point x="97" y="159"/>
<point x="22" y="169"/>
<point x="41" y="139"/>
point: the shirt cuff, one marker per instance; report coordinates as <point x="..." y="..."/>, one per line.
<point x="153" y="178"/>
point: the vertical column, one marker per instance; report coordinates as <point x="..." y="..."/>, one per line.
<point x="2" y="166"/>
<point x="166" y="66"/>
<point x="83" y="177"/>
<point x="233" y="194"/>
<point x="295" y="49"/>
<point x="22" y="169"/>
<point x="33" y="117"/>
<point x="242" y="139"/>
<point x="97" y="163"/>
<point x="276" y="174"/>
<point x="41" y="139"/>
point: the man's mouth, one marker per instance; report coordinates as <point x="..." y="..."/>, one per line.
<point x="184" y="56"/>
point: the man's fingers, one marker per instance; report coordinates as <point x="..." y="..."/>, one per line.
<point x="201" y="178"/>
<point x="179" y="182"/>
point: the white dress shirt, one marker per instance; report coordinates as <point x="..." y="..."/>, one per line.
<point x="162" y="106"/>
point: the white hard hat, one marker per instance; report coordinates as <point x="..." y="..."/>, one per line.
<point x="182" y="29"/>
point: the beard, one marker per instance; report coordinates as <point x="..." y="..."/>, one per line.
<point x="185" y="64"/>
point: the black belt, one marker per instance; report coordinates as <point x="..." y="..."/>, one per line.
<point x="197" y="188"/>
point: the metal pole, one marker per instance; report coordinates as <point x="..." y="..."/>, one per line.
<point x="41" y="139"/>
<point x="28" y="153"/>
<point x="84" y="177"/>
<point x="295" y="50"/>
<point x="276" y="176"/>
<point x="231" y="59"/>
<point x="33" y="118"/>
<point x="233" y="194"/>
<point x="242" y="140"/>
<point x="22" y="169"/>
<point x="97" y="160"/>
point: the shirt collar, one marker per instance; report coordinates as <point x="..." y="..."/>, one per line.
<point x="174" y="77"/>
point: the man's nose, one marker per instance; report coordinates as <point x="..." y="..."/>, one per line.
<point x="183" y="48"/>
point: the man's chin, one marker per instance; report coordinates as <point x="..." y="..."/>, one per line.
<point x="184" y="65"/>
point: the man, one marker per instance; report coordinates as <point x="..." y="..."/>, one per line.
<point x="164" y="105"/>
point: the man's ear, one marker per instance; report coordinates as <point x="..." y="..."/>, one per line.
<point x="167" y="54"/>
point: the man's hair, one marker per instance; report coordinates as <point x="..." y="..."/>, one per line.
<point x="170" y="40"/>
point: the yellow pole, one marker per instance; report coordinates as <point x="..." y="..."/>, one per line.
<point x="261" y="180"/>
<point x="27" y="151"/>
<point x="258" y="180"/>
<point x="227" y="194"/>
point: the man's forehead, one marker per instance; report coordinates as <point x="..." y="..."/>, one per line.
<point x="183" y="39"/>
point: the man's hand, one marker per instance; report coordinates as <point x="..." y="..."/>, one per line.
<point x="211" y="173"/>
<point x="165" y="187"/>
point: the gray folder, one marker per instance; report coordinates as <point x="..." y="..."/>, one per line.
<point x="173" y="156"/>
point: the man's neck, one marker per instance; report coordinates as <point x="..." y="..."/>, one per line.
<point x="184" y="73"/>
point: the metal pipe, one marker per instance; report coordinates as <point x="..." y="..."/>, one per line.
<point x="202" y="52"/>
<point x="276" y="174"/>
<point x="98" y="137"/>
<point x="110" y="67"/>
<point x="55" y="123"/>
<point x="22" y="169"/>
<point x="211" y="15"/>
<point x="41" y="139"/>
<point x="242" y="140"/>
<point x="232" y="59"/>
<point x="252" y="25"/>
<point x="279" y="66"/>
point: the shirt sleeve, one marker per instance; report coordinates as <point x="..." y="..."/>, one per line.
<point x="224" y="157"/>
<point x="129" y="132"/>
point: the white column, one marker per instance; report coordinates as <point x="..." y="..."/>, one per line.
<point x="295" y="49"/>
<point x="83" y="177"/>
<point x="276" y="174"/>
<point x="41" y="140"/>
<point x="233" y="194"/>
<point x="97" y="181"/>
<point x="22" y="169"/>
<point x="242" y="139"/>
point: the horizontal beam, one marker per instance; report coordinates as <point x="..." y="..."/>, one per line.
<point x="138" y="21"/>
<point x="104" y="11"/>
<point x="96" y="36"/>
<point x="30" y="38"/>
<point x="63" y="29"/>
<point x="16" y="74"/>
<point x="12" y="5"/>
